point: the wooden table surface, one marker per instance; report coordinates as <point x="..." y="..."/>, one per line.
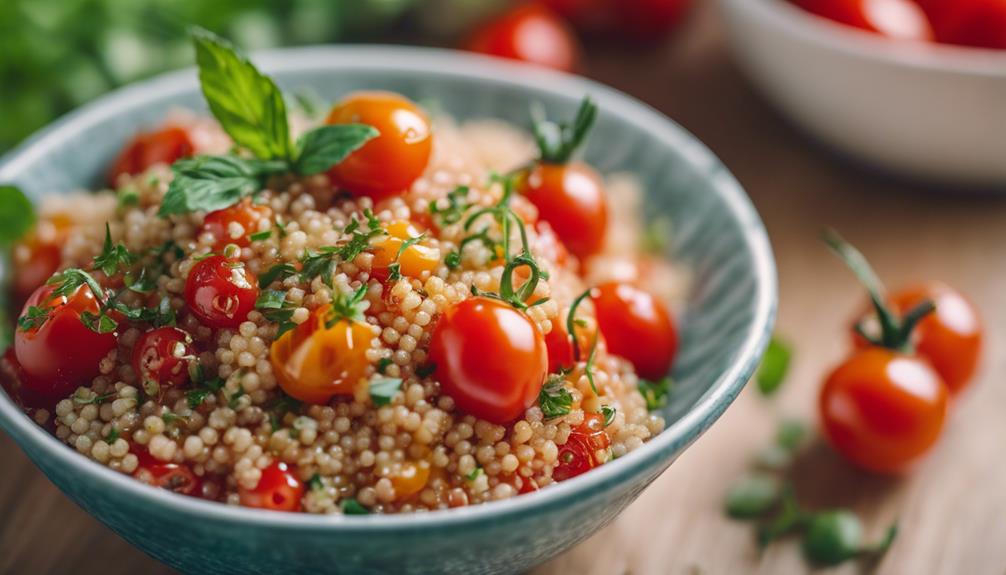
<point x="952" y="509"/>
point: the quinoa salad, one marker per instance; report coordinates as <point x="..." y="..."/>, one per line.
<point x="371" y="309"/>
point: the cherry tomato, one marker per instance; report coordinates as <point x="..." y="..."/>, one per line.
<point x="20" y="386"/>
<point x="570" y="197"/>
<point x="580" y="452"/>
<point x="978" y="23"/>
<point x="161" y="355"/>
<point x="62" y="353"/>
<point x="490" y="358"/>
<point x="234" y="224"/>
<point x="416" y="260"/>
<point x="950" y="337"/>
<point x="221" y="292"/>
<point x="901" y="19"/>
<point x="530" y="33"/>
<point x="164" y="146"/>
<point x="388" y="164"/>
<point x="279" y="489"/>
<point x="410" y="480"/>
<point x="174" y="477"/>
<point x="636" y="326"/>
<point x="314" y="362"/>
<point x="560" y="346"/>
<point x="882" y="409"/>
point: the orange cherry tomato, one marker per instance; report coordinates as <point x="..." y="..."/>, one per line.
<point x="636" y="326"/>
<point x="221" y="292"/>
<point x="388" y="164"/>
<point x="161" y="355"/>
<point x="62" y="353"/>
<point x="529" y="33"/>
<point x="490" y="358"/>
<point x="882" y="410"/>
<point x="414" y="262"/>
<point x="901" y="19"/>
<point x="410" y="480"/>
<point x="164" y="146"/>
<point x="234" y="224"/>
<point x="570" y="197"/>
<point x="37" y="256"/>
<point x="314" y="361"/>
<point x="950" y="337"/>
<point x="279" y="489"/>
<point x="978" y="23"/>
<point x="579" y="454"/>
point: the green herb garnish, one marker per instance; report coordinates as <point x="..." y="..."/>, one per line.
<point x="554" y="399"/>
<point x="474" y="474"/>
<point x="353" y="507"/>
<point x="17" y="214"/>
<point x="315" y="483"/>
<point x="458" y="205"/>
<point x="394" y="270"/>
<point x="557" y="142"/>
<point x="113" y="257"/>
<point x="656" y="393"/>
<point x="609" y="414"/>
<point x="383" y="389"/>
<point x="278" y="272"/>
<point x="260" y="236"/>
<point x="774" y="366"/>
<point x="274" y="307"/>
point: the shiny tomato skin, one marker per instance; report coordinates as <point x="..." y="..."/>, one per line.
<point x="560" y="345"/>
<point x="976" y="23"/>
<point x="490" y="358"/>
<point x="579" y="454"/>
<point x="571" y="198"/>
<point x="900" y="19"/>
<point x="529" y="33"/>
<point x="245" y="213"/>
<point x="37" y="256"/>
<point x="62" y="353"/>
<point x="636" y="326"/>
<point x="160" y="355"/>
<point x="415" y="261"/>
<point x="175" y="477"/>
<point x="164" y="146"/>
<point x="883" y="410"/>
<point x="279" y="489"/>
<point x="220" y="292"/>
<point x="388" y="164"/>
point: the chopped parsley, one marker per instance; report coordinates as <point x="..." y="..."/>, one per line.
<point x="353" y="507"/>
<point x="278" y="409"/>
<point x="457" y="206"/>
<point x="554" y="399"/>
<point x="383" y="389"/>
<point x="655" y="392"/>
<point x="323" y="261"/>
<point x="609" y="414"/>
<point x="278" y="272"/>
<point x="260" y="236"/>
<point x="96" y="399"/>
<point x="347" y="308"/>
<point x="315" y="483"/>
<point x="383" y="364"/>
<point x="274" y="307"/>
<point x="475" y="474"/>
<point x="205" y="389"/>
<point x="113" y="256"/>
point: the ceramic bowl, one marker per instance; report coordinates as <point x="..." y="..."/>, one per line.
<point x="927" y="111"/>
<point x="728" y="322"/>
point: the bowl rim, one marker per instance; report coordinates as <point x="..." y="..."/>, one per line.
<point x="948" y="58"/>
<point x="434" y="63"/>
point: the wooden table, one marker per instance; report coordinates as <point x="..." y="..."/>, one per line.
<point x="952" y="509"/>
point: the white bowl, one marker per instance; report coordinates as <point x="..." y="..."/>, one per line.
<point x="932" y="112"/>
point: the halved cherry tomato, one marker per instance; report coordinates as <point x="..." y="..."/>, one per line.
<point x="950" y="337"/>
<point x="490" y="358"/>
<point x="388" y="164"/>
<point x="410" y="480"/>
<point x="164" y="146"/>
<point x="416" y="260"/>
<point x="901" y="19"/>
<point x="62" y="353"/>
<point x="174" y="477"/>
<point x="234" y="224"/>
<point x="316" y="361"/>
<point x="530" y="33"/>
<point x="37" y="256"/>
<point x="636" y="326"/>
<point x="570" y="197"/>
<point x="279" y="489"/>
<point x="579" y="454"/>
<point x="161" y="355"/>
<point x="882" y="410"/>
<point x="221" y="292"/>
<point x="978" y="23"/>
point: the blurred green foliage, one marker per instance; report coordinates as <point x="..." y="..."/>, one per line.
<point x="58" y="54"/>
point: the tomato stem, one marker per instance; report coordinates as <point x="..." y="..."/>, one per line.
<point x="571" y="323"/>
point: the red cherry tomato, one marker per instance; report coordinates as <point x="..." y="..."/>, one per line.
<point x="161" y="355"/>
<point x="978" y="23"/>
<point x="241" y="219"/>
<point x="636" y="326"/>
<point x="490" y="358"/>
<point x="388" y="164"/>
<point x="530" y="33"/>
<point x="174" y="477"/>
<point x="164" y="146"/>
<point x="950" y="337"/>
<point x="882" y="410"/>
<point x="579" y="454"/>
<point x="62" y="353"/>
<point x="37" y="256"/>
<point x="279" y="489"/>
<point x="570" y="197"/>
<point x="221" y="292"/>
<point x="560" y="346"/>
<point x="901" y="19"/>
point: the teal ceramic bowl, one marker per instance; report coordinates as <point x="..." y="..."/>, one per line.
<point x="730" y="315"/>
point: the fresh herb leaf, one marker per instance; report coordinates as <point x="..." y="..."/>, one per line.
<point x="113" y="435"/>
<point x="98" y="322"/>
<point x="609" y="414"/>
<point x="209" y="183"/>
<point x="557" y="142"/>
<point x="113" y="257"/>
<point x="554" y="399"/>
<point x="457" y="206"/>
<point x="655" y="393"/>
<point x="394" y="270"/>
<point x="17" y="214"/>
<point x="234" y="400"/>
<point x="353" y="507"/>
<point x="315" y="483"/>
<point x="126" y="197"/>
<point x="279" y="408"/>
<point x="95" y="399"/>
<point x="324" y="147"/>
<point x="475" y="474"/>
<point x="347" y="308"/>
<point x="206" y="388"/>
<point x="383" y="389"/>
<point x="383" y="364"/>
<point x="34" y="318"/>
<point x="260" y="236"/>
<point x="774" y="366"/>
<point x="753" y="496"/>
<point x="322" y="263"/>
<point x="278" y="272"/>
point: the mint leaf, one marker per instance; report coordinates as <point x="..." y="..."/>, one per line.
<point x="17" y="215"/>
<point x="324" y="147"/>
<point x="208" y="183"/>
<point x="247" y="103"/>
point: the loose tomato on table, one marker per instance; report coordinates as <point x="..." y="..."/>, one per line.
<point x="233" y="225"/>
<point x="901" y="19"/>
<point x="279" y="489"/>
<point x="977" y="23"/>
<point x="175" y="477"/>
<point x="412" y="261"/>
<point x="636" y="326"/>
<point x="162" y="355"/>
<point x="164" y="146"/>
<point x="490" y="358"/>
<point x="220" y="292"/>
<point x="580" y="452"/>
<point x="529" y="33"/>
<point x="388" y="164"/>
<point x="59" y="353"/>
